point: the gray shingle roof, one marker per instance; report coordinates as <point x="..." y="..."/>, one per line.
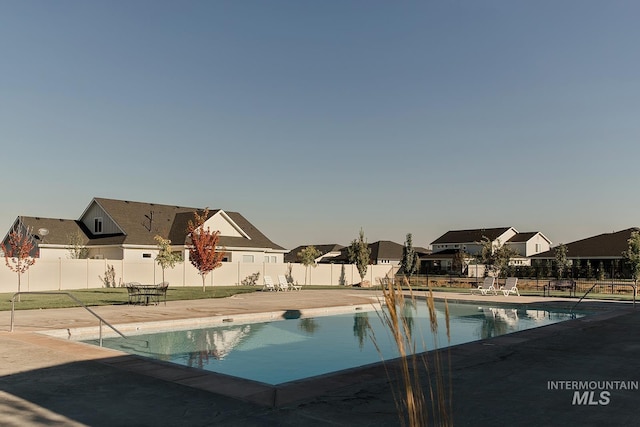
<point x="59" y="230"/>
<point x="522" y="237"/>
<point x="470" y="236"/>
<point x="167" y="220"/>
<point x="292" y="255"/>
<point x="171" y="221"/>
<point x="385" y="249"/>
<point x="607" y="245"/>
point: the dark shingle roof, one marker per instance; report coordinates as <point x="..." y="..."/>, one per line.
<point x="172" y="221"/>
<point x="522" y="237"/>
<point x="385" y="249"/>
<point x="470" y="236"/>
<point x="608" y="245"/>
<point x="382" y="249"/>
<point x="292" y="255"/>
<point x="59" y="230"/>
<point x="133" y="218"/>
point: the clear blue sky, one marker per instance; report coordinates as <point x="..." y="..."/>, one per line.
<point x="316" y="118"/>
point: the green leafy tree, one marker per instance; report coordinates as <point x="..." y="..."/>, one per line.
<point x="166" y="258"/>
<point x="601" y="271"/>
<point x="562" y="263"/>
<point x="203" y="252"/>
<point x="503" y="256"/>
<point x="459" y="262"/>
<point x="495" y="257"/>
<point x="410" y="262"/>
<point x="487" y="256"/>
<point x="548" y="268"/>
<point x="18" y="251"/>
<point x="577" y="268"/>
<point x="360" y="254"/>
<point x="588" y="270"/>
<point x="632" y="258"/>
<point x="307" y="257"/>
<point x="76" y="246"/>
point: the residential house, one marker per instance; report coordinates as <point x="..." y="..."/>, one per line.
<point x="602" y="255"/>
<point x="327" y="253"/>
<point x="455" y="249"/>
<point x="383" y="252"/>
<point x="120" y="229"/>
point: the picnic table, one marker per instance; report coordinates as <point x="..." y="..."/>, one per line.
<point x="145" y="294"/>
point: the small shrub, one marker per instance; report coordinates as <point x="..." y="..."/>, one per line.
<point x="251" y="280"/>
<point x="109" y="279"/>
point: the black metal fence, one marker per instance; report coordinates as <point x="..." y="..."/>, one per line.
<point x="604" y="287"/>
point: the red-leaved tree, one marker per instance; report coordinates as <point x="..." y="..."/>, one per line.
<point x="17" y="254"/>
<point x="203" y="253"/>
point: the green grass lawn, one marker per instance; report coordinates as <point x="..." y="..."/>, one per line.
<point x="114" y="296"/>
<point x="119" y="296"/>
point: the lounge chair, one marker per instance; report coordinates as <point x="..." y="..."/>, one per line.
<point x="486" y="286"/>
<point x="510" y="286"/>
<point x="283" y="282"/>
<point x="268" y="284"/>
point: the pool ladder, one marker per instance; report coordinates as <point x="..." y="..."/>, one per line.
<point x="73" y="298"/>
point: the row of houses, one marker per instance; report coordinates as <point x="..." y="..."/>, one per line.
<point x="126" y="230"/>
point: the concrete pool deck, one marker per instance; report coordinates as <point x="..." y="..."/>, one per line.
<point x="50" y="381"/>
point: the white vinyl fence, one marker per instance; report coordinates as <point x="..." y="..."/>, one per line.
<point x="63" y="274"/>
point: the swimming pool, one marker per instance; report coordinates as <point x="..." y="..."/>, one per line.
<point x="280" y="351"/>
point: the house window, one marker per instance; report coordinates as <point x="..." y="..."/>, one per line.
<point x="537" y="247"/>
<point x="145" y="255"/>
<point x="266" y="259"/>
<point x="97" y="225"/>
<point x="273" y="259"/>
<point x="247" y="258"/>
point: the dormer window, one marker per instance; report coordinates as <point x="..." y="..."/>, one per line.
<point x="97" y="225"/>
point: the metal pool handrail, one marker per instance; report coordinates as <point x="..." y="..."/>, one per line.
<point x="73" y="298"/>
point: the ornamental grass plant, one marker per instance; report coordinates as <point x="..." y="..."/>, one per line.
<point x="423" y="392"/>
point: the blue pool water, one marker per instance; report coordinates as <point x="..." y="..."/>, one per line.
<point x="280" y="351"/>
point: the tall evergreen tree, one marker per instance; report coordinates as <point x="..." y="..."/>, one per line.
<point x="410" y="262"/>
<point x="560" y="253"/>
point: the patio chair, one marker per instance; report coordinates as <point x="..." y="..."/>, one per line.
<point x="284" y="283"/>
<point x="486" y="286"/>
<point x="268" y="284"/>
<point x="133" y="290"/>
<point x="510" y="287"/>
<point x="161" y="292"/>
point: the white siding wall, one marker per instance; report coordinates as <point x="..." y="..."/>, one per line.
<point x="108" y="226"/>
<point x="219" y="222"/>
<point x="531" y="245"/>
